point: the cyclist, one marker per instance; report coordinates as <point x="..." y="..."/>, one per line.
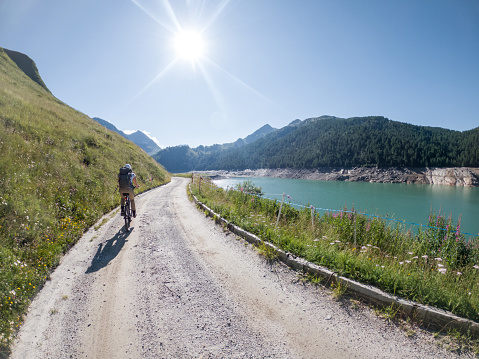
<point x="126" y="183"/>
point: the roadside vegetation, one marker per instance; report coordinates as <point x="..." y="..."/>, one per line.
<point x="436" y="266"/>
<point x="58" y="174"/>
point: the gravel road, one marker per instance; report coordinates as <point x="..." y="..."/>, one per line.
<point x="178" y="286"/>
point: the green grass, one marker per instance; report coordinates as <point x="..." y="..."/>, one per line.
<point x="58" y="173"/>
<point x="434" y="267"/>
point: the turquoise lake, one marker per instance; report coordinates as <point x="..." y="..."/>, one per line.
<point x="411" y="203"/>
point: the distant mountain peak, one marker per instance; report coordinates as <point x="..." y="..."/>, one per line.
<point x="144" y="141"/>
<point x="138" y="137"/>
<point x="263" y="131"/>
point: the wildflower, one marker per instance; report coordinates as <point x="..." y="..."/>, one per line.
<point x="382" y="266"/>
<point x="475" y="266"/>
<point x="409" y="253"/>
<point x="459" y="273"/>
<point x="442" y="270"/>
<point x="438" y="259"/>
<point x="440" y="265"/>
<point x="415" y="257"/>
<point x="408" y="261"/>
<point x="425" y="257"/>
<point x="401" y="263"/>
<point x="377" y="265"/>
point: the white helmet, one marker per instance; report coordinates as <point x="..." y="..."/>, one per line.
<point x="128" y="166"/>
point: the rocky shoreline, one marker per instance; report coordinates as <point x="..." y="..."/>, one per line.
<point x="453" y="176"/>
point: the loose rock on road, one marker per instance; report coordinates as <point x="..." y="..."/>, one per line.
<point x="179" y="286"/>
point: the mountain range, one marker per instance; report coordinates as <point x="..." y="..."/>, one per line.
<point x="138" y="137"/>
<point x="329" y="141"/>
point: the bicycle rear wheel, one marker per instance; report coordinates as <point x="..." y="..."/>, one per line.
<point x="127" y="215"/>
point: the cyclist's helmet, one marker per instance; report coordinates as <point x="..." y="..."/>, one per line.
<point x="128" y="166"/>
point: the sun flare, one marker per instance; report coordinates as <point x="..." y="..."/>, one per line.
<point x="189" y="45"/>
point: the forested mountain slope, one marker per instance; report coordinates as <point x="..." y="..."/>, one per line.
<point x="336" y="142"/>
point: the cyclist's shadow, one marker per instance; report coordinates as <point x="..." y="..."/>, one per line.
<point x="108" y="251"/>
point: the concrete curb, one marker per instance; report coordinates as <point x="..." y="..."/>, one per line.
<point x="428" y="317"/>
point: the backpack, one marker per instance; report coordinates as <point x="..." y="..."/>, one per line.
<point x="124" y="177"/>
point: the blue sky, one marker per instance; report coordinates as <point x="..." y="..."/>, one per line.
<point x="264" y="61"/>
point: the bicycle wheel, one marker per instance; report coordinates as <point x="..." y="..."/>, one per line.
<point x="127" y="214"/>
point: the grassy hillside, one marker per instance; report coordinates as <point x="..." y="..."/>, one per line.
<point x="335" y="142"/>
<point x="58" y="173"/>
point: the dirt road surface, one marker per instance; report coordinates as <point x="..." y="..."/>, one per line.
<point x="178" y="286"/>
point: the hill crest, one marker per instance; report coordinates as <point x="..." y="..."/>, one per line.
<point x="27" y="65"/>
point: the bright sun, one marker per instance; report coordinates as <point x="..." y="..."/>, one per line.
<point x="189" y="45"/>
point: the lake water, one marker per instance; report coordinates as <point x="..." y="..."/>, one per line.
<point x="406" y="202"/>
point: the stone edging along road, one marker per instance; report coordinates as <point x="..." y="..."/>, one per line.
<point x="428" y="317"/>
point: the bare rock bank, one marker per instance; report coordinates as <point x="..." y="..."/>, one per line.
<point x="454" y="176"/>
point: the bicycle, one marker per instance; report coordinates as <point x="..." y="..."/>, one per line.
<point x="128" y="213"/>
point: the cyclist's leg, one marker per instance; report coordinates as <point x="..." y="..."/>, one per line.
<point x="122" y="201"/>
<point x="132" y="201"/>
